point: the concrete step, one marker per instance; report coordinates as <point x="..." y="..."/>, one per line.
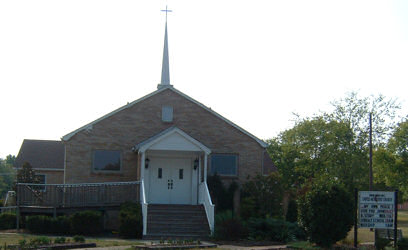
<point x="182" y="221"/>
<point x="167" y="236"/>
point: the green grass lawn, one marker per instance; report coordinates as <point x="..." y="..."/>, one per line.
<point x="14" y="238"/>
<point x="365" y="235"/>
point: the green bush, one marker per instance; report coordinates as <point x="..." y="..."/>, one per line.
<point x="7" y="221"/>
<point x="326" y="213"/>
<point x="87" y="222"/>
<point x="292" y="214"/>
<point x="222" y="196"/>
<point x="274" y="230"/>
<point x="59" y="240"/>
<point x="60" y="225"/>
<point x="39" y="224"/>
<point x="403" y="244"/>
<point x="262" y="196"/>
<point x="39" y="241"/>
<point x="229" y="227"/>
<point x="79" y="238"/>
<point x="131" y="220"/>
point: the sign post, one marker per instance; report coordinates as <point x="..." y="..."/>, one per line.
<point x="355" y="216"/>
<point x="395" y="218"/>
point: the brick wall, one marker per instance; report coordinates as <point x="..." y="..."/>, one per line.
<point x="141" y="121"/>
<point x="52" y="176"/>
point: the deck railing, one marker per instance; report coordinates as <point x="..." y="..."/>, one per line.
<point x="77" y="195"/>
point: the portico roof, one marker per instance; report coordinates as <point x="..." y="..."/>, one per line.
<point x="171" y="139"/>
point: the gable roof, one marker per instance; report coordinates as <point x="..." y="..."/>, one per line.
<point x="89" y="125"/>
<point x="167" y="134"/>
<point x="41" y="154"/>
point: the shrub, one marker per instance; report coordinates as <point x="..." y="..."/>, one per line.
<point x="79" y="238"/>
<point x="60" y="225"/>
<point x="59" y="240"/>
<point x="38" y="241"/>
<point x="7" y="221"/>
<point x="87" y="222"/>
<point x="222" y="196"/>
<point x="403" y="244"/>
<point x="274" y="230"/>
<point x="131" y="220"/>
<point x="47" y="224"/>
<point x="326" y="213"/>
<point x="228" y="227"/>
<point x="39" y="224"/>
<point x="292" y="214"/>
<point x="263" y="196"/>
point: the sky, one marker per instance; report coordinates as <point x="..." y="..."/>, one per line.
<point x="66" y="63"/>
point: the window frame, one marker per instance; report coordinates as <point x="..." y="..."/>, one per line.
<point x="44" y="187"/>
<point x="106" y="171"/>
<point x="170" y="110"/>
<point x="225" y="154"/>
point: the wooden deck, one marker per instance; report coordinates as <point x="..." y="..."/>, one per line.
<point x="65" y="196"/>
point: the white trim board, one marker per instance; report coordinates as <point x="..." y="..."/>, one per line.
<point x="167" y="134"/>
<point x="89" y="125"/>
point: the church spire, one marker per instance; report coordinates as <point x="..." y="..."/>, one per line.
<point x="165" y="76"/>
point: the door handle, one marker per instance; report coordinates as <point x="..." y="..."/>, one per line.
<point x="169" y="184"/>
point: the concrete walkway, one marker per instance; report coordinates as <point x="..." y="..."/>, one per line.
<point x="275" y="247"/>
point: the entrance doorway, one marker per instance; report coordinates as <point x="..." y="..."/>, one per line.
<point x="170" y="181"/>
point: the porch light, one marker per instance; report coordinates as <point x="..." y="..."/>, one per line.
<point x="147" y="161"/>
<point x="195" y="163"/>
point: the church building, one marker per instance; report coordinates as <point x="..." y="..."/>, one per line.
<point x="170" y="143"/>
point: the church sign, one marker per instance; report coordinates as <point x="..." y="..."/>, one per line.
<point x="376" y="209"/>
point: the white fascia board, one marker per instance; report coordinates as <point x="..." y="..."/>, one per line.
<point x="89" y="125"/>
<point x="173" y="131"/>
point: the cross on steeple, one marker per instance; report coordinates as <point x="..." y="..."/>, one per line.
<point x="165" y="77"/>
<point x="167" y="10"/>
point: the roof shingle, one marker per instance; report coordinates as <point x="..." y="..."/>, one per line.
<point x="44" y="154"/>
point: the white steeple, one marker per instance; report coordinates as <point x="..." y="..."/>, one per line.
<point x="165" y="76"/>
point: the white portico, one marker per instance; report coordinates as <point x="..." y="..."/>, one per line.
<point x="171" y="164"/>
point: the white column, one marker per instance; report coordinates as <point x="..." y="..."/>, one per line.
<point x="142" y="164"/>
<point x="205" y="168"/>
<point x="199" y="169"/>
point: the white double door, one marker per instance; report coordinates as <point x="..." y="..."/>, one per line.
<point x="170" y="181"/>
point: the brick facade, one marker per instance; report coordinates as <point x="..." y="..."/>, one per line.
<point x="142" y="120"/>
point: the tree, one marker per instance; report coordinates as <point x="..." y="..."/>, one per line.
<point x="354" y="111"/>
<point x="26" y="174"/>
<point x="334" y="143"/>
<point x="391" y="161"/>
<point x="326" y="212"/>
<point x="316" y="147"/>
<point x="7" y="175"/>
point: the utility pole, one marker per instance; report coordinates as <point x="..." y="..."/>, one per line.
<point x="371" y="153"/>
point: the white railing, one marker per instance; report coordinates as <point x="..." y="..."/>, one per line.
<point x="144" y="206"/>
<point x="205" y="199"/>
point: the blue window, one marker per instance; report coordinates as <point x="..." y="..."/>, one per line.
<point x="224" y="164"/>
<point x="106" y="160"/>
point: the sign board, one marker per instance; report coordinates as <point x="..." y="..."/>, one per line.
<point x="376" y="209"/>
